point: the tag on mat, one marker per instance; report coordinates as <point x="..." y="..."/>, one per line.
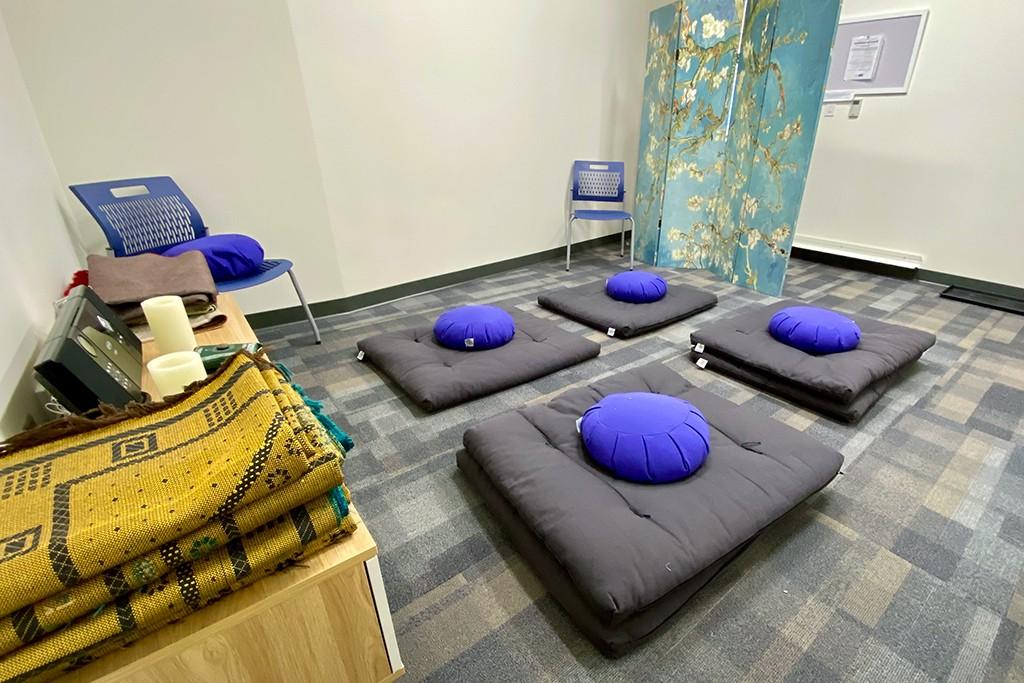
<point x="699" y="348"/>
<point x="702" y="363"/>
<point x="469" y="343"/>
<point x="360" y="355"/>
<point x="611" y="331"/>
<point x="578" y="421"/>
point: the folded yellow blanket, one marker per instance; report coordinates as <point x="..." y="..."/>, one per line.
<point x="31" y="623"/>
<point x="302" y="531"/>
<point x="128" y="484"/>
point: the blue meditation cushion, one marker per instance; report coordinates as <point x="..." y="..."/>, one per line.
<point x="646" y="438"/>
<point x="229" y="256"/>
<point x="636" y="287"/>
<point x="814" y="330"/>
<point x="474" y="328"/>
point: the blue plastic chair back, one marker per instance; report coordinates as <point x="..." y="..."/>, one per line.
<point x="141" y="214"/>
<point x="598" y="181"/>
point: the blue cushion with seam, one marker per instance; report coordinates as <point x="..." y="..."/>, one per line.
<point x="646" y="437"/>
<point x="818" y="331"/>
<point x="637" y="287"/>
<point x="474" y="328"/>
<point x="229" y="256"/>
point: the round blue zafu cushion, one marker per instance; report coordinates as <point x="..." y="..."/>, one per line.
<point x="636" y="287"/>
<point x="814" y="330"/>
<point x="645" y="437"/>
<point x="229" y="256"/>
<point x="474" y="328"/>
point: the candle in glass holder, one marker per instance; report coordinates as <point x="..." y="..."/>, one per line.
<point x="169" y="324"/>
<point x="172" y="372"/>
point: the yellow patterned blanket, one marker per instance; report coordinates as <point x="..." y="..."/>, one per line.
<point x="301" y="532"/>
<point x="103" y="514"/>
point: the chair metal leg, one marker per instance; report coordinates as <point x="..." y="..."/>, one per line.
<point x="568" y="241"/>
<point x="622" y="242"/>
<point x="632" y="240"/>
<point x="305" y="306"/>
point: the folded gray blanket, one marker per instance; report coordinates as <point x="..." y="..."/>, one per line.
<point x="124" y="283"/>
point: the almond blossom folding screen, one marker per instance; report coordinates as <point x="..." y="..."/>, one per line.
<point x="732" y="93"/>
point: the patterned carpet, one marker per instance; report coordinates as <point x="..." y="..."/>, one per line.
<point x="908" y="567"/>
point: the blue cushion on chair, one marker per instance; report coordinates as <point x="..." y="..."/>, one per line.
<point x="636" y="287"/>
<point x="474" y="328"/>
<point x="645" y="437"/>
<point x="229" y="256"/>
<point x="814" y="330"/>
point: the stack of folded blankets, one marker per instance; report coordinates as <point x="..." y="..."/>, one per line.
<point x="124" y="283"/>
<point x="111" y="528"/>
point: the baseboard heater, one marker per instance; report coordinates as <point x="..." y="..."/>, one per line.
<point x="860" y="252"/>
<point x="857" y="257"/>
<point x="988" y="299"/>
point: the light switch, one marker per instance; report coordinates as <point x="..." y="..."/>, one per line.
<point x="830" y="110"/>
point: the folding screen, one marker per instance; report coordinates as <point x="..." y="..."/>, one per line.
<point x="731" y="100"/>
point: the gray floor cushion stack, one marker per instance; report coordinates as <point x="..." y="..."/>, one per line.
<point x="590" y="304"/>
<point x="620" y="557"/>
<point x="841" y="385"/>
<point x="437" y="377"/>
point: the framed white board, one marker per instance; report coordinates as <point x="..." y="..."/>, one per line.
<point x="875" y="55"/>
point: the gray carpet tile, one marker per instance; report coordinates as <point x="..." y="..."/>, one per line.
<point x="907" y="567"/>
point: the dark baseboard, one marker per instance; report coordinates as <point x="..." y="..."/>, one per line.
<point x="851" y="263"/>
<point x="967" y="289"/>
<point x="1015" y="295"/>
<point x="983" y="286"/>
<point x="379" y="296"/>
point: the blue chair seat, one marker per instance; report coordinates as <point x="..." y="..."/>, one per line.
<point x="269" y="269"/>
<point x="140" y="215"/>
<point x="600" y="215"/>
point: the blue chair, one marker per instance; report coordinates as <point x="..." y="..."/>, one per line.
<point x="599" y="181"/>
<point x="140" y="215"/>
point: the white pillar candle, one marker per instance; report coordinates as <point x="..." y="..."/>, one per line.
<point x="169" y="323"/>
<point x="173" y="372"/>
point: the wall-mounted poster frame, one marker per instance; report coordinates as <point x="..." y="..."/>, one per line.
<point x="903" y="33"/>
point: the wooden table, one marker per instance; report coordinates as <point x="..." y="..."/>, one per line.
<point x="325" y="620"/>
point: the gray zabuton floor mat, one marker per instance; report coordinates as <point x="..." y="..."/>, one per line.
<point x="437" y="377"/>
<point x="590" y="304"/>
<point x="621" y="557"/>
<point x="841" y="385"/>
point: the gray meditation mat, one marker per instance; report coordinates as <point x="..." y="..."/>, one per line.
<point x="841" y="385"/>
<point x="621" y="557"/>
<point x="437" y="377"/>
<point x="590" y="304"/>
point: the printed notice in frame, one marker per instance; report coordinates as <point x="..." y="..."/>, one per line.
<point x="865" y="52"/>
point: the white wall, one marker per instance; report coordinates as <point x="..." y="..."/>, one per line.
<point x="37" y="258"/>
<point x="206" y="92"/>
<point x="936" y="172"/>
<point x="445" y="130"/>
<point x="374" y="143"/>
<point x="379" y="143"/>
